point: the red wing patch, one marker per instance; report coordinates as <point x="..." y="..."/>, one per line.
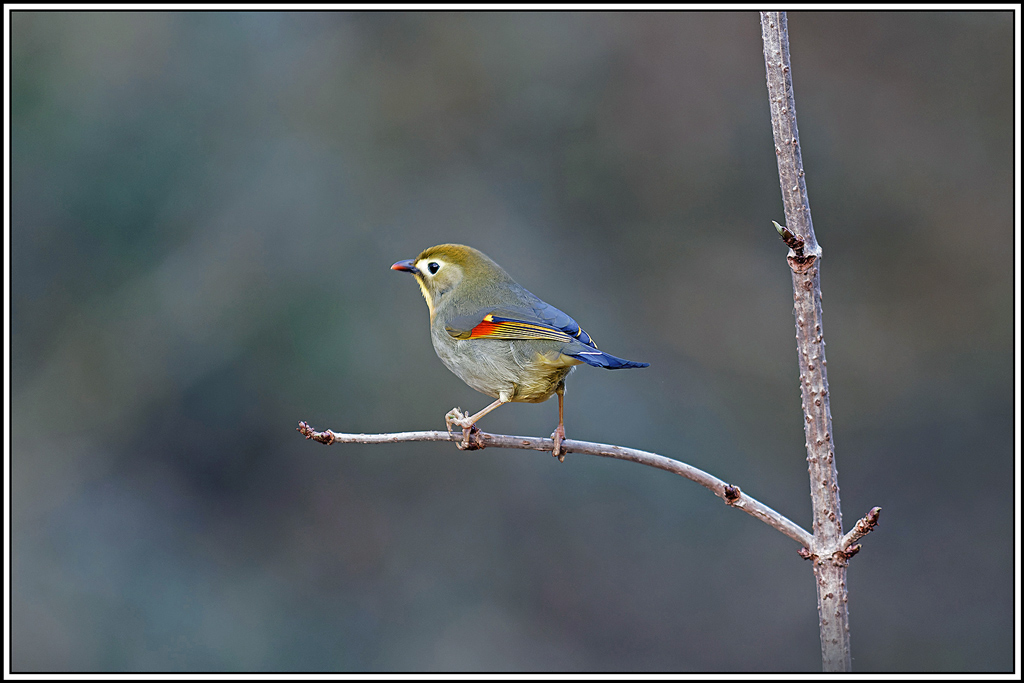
<point x="484" y="329"/>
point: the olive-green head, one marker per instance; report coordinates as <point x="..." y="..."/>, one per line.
<point x="455" y="273"/>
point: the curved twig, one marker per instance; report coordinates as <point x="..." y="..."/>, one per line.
<point x="727" y="492"/>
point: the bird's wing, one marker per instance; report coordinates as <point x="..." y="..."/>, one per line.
<point x="539" y="321"/>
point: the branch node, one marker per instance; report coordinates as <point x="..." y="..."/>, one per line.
<point x="326" y="438"/>
<point x="791" y="240"/>
<point x="731" y="494"/>
<point x="801" y="264"/>
<point x="798" y="260"/>
<point x="841" y="557"/>
<point x="805" y="553"/>
<point x="472" y="440"/>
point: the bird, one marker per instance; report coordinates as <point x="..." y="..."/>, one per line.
<point x="497" y="337"/>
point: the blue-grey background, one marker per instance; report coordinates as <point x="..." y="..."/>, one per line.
<point x="204" y="210"/>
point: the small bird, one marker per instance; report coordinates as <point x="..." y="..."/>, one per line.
<point x="497" y="337"/>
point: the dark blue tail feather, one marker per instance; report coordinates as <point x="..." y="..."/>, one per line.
<point x="600" y="359"/>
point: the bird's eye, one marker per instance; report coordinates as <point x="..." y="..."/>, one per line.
<point x="433" y="267"/>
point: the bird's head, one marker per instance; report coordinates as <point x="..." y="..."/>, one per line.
<point x="453" y="271"/>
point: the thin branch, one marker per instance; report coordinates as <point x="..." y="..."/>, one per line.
<point x="727" y="492"/>
<point x="862" y="528"/>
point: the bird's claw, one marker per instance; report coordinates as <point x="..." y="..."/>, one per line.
<point x="458" y="418"/>
<point x="469" y="430"/>
<point x="455" y="417"/>
<point x="559" y="436"/>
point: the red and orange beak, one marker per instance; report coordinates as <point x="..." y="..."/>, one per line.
<point x="407" y="266"/>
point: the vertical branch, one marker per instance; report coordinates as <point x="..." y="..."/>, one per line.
<point x="804" y="258"/>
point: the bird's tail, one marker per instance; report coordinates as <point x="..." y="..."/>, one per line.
<point x="600" y="359"/>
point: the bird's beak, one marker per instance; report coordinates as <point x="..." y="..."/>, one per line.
<point x="407" y="266"/>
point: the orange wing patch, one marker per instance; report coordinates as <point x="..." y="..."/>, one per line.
<point x="507" y="328"/>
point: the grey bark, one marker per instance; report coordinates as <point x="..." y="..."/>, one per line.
<point x="727" y="492"/>
<point x="830" y="560"/>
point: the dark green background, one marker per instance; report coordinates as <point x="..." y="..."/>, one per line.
<point x="204" y="210"/>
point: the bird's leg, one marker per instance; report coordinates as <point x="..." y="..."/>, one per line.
<point x="455" y="417"/>
<point x="466" y="422"/>
<point x="559" y="434"/>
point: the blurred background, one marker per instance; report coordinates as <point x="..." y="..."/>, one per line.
<point x="205" y="207"/>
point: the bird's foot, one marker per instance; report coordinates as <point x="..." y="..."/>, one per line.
<point x="455" y="417"/>
<point x="559" y="436"/>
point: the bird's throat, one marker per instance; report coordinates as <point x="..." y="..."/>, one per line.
<point x="426" y="295"/>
